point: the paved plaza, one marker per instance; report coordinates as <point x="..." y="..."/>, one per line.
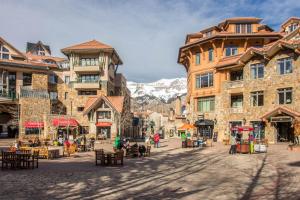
<point x="170" y="173"/>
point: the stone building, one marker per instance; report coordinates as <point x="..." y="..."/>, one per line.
<point x="49" y="93"/>
<point x="24" y="97"/>
<point x="249" y="79"/>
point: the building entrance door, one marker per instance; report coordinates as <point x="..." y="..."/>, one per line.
<point x="285" y="132"/>
<point x="104" y="132"/>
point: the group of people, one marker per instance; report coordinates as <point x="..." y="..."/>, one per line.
<point x="236" y="138"/>
<point x="124" y="144"/>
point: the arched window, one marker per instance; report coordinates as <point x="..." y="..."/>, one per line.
<point x="4" y="52"/>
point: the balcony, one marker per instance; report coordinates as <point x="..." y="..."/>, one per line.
<point x="7" y="95"/>
<point x="89" y="67"/>
<point x="236" y="110"/>
<point x="91" y="84"/>
<point x="234" y="84"/>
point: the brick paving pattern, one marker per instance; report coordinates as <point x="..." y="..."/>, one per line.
<point x="170" y="173"/>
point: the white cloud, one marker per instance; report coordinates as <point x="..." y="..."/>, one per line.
<point x="147" y="34"/>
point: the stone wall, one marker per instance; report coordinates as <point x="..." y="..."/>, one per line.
<point x="33" y="110"/>
<point x="39" y="81"/>
<point x="271" y="82"/>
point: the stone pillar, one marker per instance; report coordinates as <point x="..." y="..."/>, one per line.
<point x="19" y="82"/>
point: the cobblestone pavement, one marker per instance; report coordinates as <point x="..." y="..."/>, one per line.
<point x="170" y="173"/>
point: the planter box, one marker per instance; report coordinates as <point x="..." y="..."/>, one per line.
<point x="260" y="148"/>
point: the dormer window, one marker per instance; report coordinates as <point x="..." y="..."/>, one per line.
<point x="208" y="34"/>
<point x="243" y="28"/>
<point x="40" y="51"/>
<point x="4" y="52"/>
<point x="292" y="27"/>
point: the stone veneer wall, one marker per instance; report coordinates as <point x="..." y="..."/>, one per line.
<point x="269" y="84"/>
<point x="39" y="81"/>
<point x="33" y="110"/>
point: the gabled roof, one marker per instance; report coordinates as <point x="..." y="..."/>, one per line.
<point x="279" y="110"/>
<point x="93" y="44"/>
<point x="20" y="54"/>
<point x="284" y="24"/>
<point x="115" y="102"/>
<point x="231" y="60"/>
<point x="30" y="46"/>
<point x="238" y="19"/>
<point x="39" y="58"/>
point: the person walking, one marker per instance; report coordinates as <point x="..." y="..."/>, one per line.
<point x="183" y="140"/>
<point x="156" y="140"/>
<point x="233" y="144"/>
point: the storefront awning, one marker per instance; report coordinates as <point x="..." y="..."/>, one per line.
<point x="186" y="127"/>
<point x="103" y="124"/>
<point x="245" y="128"/>
<point x="34" y="124"/>
<point x="204" y="122"/>
<point x="64" y="122"/>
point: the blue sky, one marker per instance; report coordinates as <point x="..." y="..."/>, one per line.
<point x="146" y="33"/>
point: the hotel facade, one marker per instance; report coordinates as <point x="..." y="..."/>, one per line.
<point x="47" y="96"/>
<point x="243" y="73"/>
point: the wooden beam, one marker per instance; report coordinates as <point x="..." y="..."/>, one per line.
<point x="222" y="46"/>
<point x="202" y="51"/>
<point x="246" y="44"/>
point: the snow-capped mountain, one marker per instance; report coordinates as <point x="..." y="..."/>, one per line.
<point x="163" y="89"/>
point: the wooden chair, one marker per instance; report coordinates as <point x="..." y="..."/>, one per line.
<point x="147" y="153"/>
<point x="9" y="159"/>
<point x="134" y="151"/>
<point x="118" y="156"/>
<point x="100" y="156"/>
<point x="34" y="161"/>
<point x="43" y="152"/>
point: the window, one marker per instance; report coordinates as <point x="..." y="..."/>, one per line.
<point x="204" y="80"/>
<point x="237" y="101"/>
<point x="67" y="79"/>
<point x="53" y="95"/>
<point x="206" y="104"/>
<point x="40" y="51"/>
<point x="4" y="52"/>
<point x="236" y="75"/>
<point x="210" y="55"/>
<point x="243" y="28"/>
<point x="259" y="129"/>
<point x="30" y="131"/>
<point x="208" y="34"/>
<point x="104" y="115"/>
<point x="27" y="79"/>
<point x="257" y="98"/>
<point x="66" y="95"/>
<point x="285" y="66"/>
<point x="292" y="27"/>
<point x="231" y="51"/>
<point x="197" y="60"/>
<point x="80" y="109"/>
<point x="285" y="96"/>
<point x="87" y="93"/>
<point x="53" y="79"/>
<point x="257" y="70"/>
<point x="89" y="61"/>
<point x="88" y="78"/>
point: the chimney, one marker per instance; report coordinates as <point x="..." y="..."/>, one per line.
<point x="178" y="110"/>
